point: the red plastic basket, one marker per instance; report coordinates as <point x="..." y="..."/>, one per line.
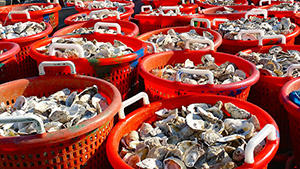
<point x="293" y="115"/>
<point x="187" y="8"/>
<point x="147" y="114"/>
<point x="85" y="8"/>
<point x="8" y="63"/>
<point x="265" y="94"/>
<point x="80" y="146"/>
<point x="279" y="14"/>
<point x="130" y="29"/>
<point x="124" y="16"/>
<point x="217" y="36"/>
<point x="27" y="65"/>
<point x="120" y="71"/>
<point x="205" y="5"/>
<point x="159" y="88"/>
<point x="48" y="15"/>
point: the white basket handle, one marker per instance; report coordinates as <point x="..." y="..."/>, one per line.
<point x="291" y="68"/>
<point x="56" y="64"/>
<point x="55" y="1"/>
<point x="192" y="23"/>
<point x="162" y="8"/>
<point x="79" y="3"/>
<point x="261" y="1"/>
<point x="132" y="100"/>
<point x="94" y="3"/>
<point x="257" y="12"/>
<point x="24" y="119"/>
<point x="282" y="37"/>
<point x="110" y="12"/>
<point x="96" y="12"/>
<point x="152" y="45"/>
<point x="198" y="72"/>
<point x="107" y="24"/>
<point x="78" y="47"/>
<point x="269" y="130"/>
<point x="218" y="20"/>
<point x="210" y="42"/>
<point x="19" y="12"/>
<point x="295" y="8"/>
<point x="146" y="7"/>
<point x="239" y="35"/>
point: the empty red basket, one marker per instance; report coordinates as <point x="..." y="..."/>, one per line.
<point x="128" y="28"/>
<point x="159" y="88"/>
<point x="147" y="114"/>
<point x="27" y="65"/>
<point x="80" y="146"/>
<point x="8" y="63"/>
<point x="48" y="15"/>
<point x="120" y="71"/>
<point x="85" y="6"/>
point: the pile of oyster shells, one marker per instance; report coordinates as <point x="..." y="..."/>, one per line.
<point x="106" y="4"/>
<point x="60" y="110"/>
<point x="197" y="136"/>
<point x="221" y="2"/>
<point x="275" y="62"/>
<point x="92" y="49"/>
<point x="38" y="8"/>
<point x="224" y="74"/>
<point x="270" y="26"/>
<point x="90" y="30"/>
<point x="156" y="12"/>
<point x="228" y="10"/>
<point x="176" y="41"/>
<point x="20" y="29"/>
<point x="85" y="17"/>
<point x="284" y="7"/>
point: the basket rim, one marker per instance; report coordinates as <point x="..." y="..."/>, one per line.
<point x="71" y="132"/>
<point x="291" y="107"/>
<point x="113" y="139"/>
<point x="13" y="49"/>
<point x="249" y="81"/>
<point x="37" y="36"/>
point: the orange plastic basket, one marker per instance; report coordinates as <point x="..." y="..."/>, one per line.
<point x="27" y="66"/>
<point x="120" y="71"/>
<point x="217" y="36"/>
<point x="206" y="5"/>
<point x="48" y="15"/>
<point x="147" y="114"/>
<point x="80" y="146"/>
<point x="85" y="8"/>
<point x="124" y="16"/>
<point x="130" y="29"/>
<point x="159" y="88"/>
<point x="8" y="63"/>
<point x="293" y="115"/>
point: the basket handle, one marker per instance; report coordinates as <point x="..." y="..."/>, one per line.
<point x="19" y="12"/>
<point x="218" y="20"/>
<point x="146" y="7"/>
<point x="131" y="100"/>
<point x="210" y="42"/>
<point x="79" y="3"/>
<point x="257" y="12"/>
<point x="152" y="45"/>
<point x="291" y="68"/>
<point x="26" y="118"/>
<point x="192" y="23"/>
<point x="109" y="12"/>
<point x="55" y="64"/>
<point x="269" y="130"/>
<point x="96" y="12"/>
<point x="107" y="24"/>
<point x="93" y="3"/>
<point x="295" y="8"/>
<point x="239" y="35"/>
<point x="261" y="1"/>
<point x="198" y="72"/>
<point x="162" y="8"/>
<point x="78" y="47"/>
<point x="260" y="39"/>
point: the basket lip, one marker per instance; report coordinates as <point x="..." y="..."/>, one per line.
<point x="71" y="132"/>
<point x="69" y="21"/>
<point x="37" y="36"/>
<point x="123" y="24"/>
<point x="56" y="8"/>
<point x="291" y="107"/>
<point x="200" y="3"/>
<point x="217" y="37"/>
<point x="112" y="148"/>
<point x="13" y="49"/>
<point x="104" y="61"/>
<point x="206" y="11"/>
<point x="251" y="80"/>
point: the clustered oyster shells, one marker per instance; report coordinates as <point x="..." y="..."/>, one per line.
<point x="38" y="8"/>
<point x="197" y="136"/>
<point x="221" y="2"/>
<point x="101" y="15"/>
